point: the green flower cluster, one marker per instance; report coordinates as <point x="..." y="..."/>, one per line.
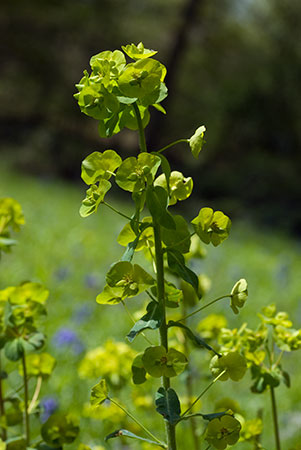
<point x="11" y="219"/>
<point x="109" y="92"/>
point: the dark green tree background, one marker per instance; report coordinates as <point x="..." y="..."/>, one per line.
<point x="234" y="65"/>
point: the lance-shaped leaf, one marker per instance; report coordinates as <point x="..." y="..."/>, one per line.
<point x="176" y="263"/>
<point x="130" y="250"/>
<point x="233" y="363"/>
<point x="168" y="405"/>
<point x="131" y="435"/>
<point x="94" y="196"/>
<point x="157" y="362"/>
<point x="100" y="165"/>
<point x="197" y="340"/>
<point x="138" y="370"/>
<point x="99" y="393"/>
<point x="197" y="141"/>
<point x="134" y="173"/>
<point x="179" y="187"/>
<point x="212" y="226"/>
<point x="132" y="279"/>
<point x="138" y="51"/>
<point x="178" y="239"/>
<point x="165" y="166"/>
<point x="157" y="202"/>
<point x="152" y="320"/>
<point x="209" y="417"/>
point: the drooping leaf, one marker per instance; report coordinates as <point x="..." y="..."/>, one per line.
<point x="138" y="370"/>
<point x="176" y="264"/>
<point x="131" y="435"/>
<point x="157" y="202"/>
<point x="99" y="393"/>
<point x="152" y="320"/>
<point x="13" y="349"/>
<point x="197" y="141"/>
<point x="168" y="405"/>
<point x="130" y="250"/>
<point x="197" y="340"/>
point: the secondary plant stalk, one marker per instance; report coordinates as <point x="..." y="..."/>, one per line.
<point x="140" y="127"/>
<point x="2" y="410"/>
<point x="275" y="419"/>
<point x="170" y="429"/>
<point x="26" y="398"/>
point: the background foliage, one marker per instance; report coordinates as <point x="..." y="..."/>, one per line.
<point x="235" y="66"/>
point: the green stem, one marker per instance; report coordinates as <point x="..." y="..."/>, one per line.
<point x="275" y="419"/>
<point x="172" y="144"/>
<point x="203" y="393"/>
<point x="27" y="427"/>
<point x="116" y="211"/>
<point x="170" y="429"/>
<point x="203" y="307"/>
<point x="140" y="128"/>
<point x="2" y="408"/>
<point x="35" y="394"/>
<point x="137" y="422"/>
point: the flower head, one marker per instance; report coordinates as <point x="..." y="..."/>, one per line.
<point x="223" y="431"/>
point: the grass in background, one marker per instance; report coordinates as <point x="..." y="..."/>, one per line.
<point x="71" y="255"/>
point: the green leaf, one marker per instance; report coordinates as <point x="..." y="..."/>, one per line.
<point x="178" y="239"/>
<point x="138" y="52"/>
<point x="197" y="141"/>
<point x="94" y="196"/>
<point x="99" y="166"/>
<point x="60" y="429"/>
<point x="134" y="173"/>
<point x="34" y="341"/>
<point x="157" y="362"/>
<point x="212" y="226"/>
<point x="176" y="264"/>
<point x="110" y="296"/>
<point x="14" y="349"/>
<point x="152" y="320"/>
<point x="128" y="434"/>
<point x="16" y="443"/>
<point x="138" y="370"/>
<point x="180" y="188"/>
<point x="157" y="202"/>
<point x="130" y="250"/>
<point x="197" y="340"/>
<point x="99" y="393"/>
<point x="234" y="364"/>
<point x="168" y="405"/>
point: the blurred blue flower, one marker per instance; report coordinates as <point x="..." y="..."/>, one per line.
<point x="83" y="313"/>
<point x="65" y="337"/>
<point x="62" y="273"/>
<point x="48" y="406"/>
<point x="91" y="281"/>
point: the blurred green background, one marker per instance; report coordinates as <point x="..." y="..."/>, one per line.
<point x="234" y="66"/>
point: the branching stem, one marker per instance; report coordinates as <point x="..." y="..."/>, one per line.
<point x="172" y="144"/>
<point x="203" y="307"/>
<point x="137" y="422"/>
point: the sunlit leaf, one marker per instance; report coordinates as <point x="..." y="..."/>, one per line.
<point x="197" y="141"/>
<point x="99" y="393"/>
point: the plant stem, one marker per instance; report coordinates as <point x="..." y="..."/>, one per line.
<point x="35" y="394"/>
<point x="275" y="418"/>
<point x="116" y="211"/>
<point x="137" y="422"/>
<point x="203" y="393"/>
<point x="170" y="429"/>
<point x="2" y="409"/>
<point x="172" y="144"/>
<point x="27" y="427"/>
<point x="203" y="307"/>
<point x="140" y="128"/>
